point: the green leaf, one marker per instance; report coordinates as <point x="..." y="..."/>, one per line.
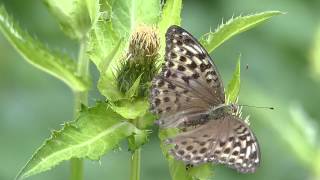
<point x="177" y="168"/>
<point x="233" y="89"/>
<point x="131" y="109"/>
<point x="40" y="56"/>
<point x="108" y="87"/>
<point x="170" y="16"/>
<point x="96" y="131"/>
<point x="134" y="88"/>
<point x="232" y="27"/>
<point x="137" y="140"/>
<point x="74" y="16"/>
<point x="109" y="38"/>
<point x="104" y="44"/>
<point x="116" y="21"/>
<point x="127" y="15"/>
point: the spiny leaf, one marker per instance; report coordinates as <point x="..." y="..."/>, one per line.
<point x="232" y="27"/>
<point x="75" y="16"/>
<point x="170" y="16"/>
<point x="233" y="89"/>
<point x="96" y="131"/>
<point x="40" y="56"/>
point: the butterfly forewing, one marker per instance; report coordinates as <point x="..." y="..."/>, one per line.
<point x="188" y="64"/>
<point x="189" y="82"/>
<point x="226" y="141"/>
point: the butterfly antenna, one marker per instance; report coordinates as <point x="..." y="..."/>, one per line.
<point x="264" y="107"/>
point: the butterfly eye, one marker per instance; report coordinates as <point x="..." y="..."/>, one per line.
<point x="234" y="108"/>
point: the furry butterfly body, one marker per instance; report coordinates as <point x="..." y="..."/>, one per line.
<point x="189" y="94"/>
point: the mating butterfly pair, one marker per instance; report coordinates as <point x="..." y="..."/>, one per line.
<point x="189" y="94"/>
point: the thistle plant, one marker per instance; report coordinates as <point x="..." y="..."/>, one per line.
<point x="125" y="41"/>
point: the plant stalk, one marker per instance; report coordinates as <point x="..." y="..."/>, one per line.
<point x="135" y="158"/>
<point x="135" y="164"/>
<point x="80" y="98"/>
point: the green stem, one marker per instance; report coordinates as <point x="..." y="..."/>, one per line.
<point x="135" y="164"/>
<point x="136" y="158"/>
<point x="76" y="169"/>
<point x="81" y="98"/>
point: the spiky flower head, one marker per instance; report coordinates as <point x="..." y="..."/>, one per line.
<point x="144" y="42"/>
<point x="139" y="60"/>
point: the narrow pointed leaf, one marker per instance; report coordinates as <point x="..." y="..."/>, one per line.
<point x="96" y="131"/>
<point x="234" y="26"/>
<point x="134" y="88"/>
<point x="40" y="56"/>
<point x="233" y="89"/>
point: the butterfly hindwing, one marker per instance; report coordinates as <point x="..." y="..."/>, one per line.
<point x="226" y="141"/>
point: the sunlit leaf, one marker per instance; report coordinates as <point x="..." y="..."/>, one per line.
<point x="234" y="26"/>
<point x="58" y="65"/>
<point x="233" y="89"/>
<point x="96" y="131"/>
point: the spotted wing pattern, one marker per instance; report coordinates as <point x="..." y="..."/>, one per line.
<point x="226" y="141"/>
<point x="184" y="94"/>
<point x="189" y="82"/>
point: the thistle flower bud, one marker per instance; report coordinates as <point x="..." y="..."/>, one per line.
<point x="144" y="42"/>
<point x="139" y="60"/>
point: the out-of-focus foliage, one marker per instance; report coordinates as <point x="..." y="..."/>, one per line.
<point x="37" y="54"/>
<point x="277" y="55"/>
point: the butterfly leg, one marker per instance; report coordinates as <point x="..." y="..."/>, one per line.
<point x="189" y="166"/>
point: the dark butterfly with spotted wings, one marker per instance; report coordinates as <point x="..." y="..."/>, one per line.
<point x="189" y="94"/>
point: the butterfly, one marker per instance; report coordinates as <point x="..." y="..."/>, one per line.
<point x="189" y="94"/>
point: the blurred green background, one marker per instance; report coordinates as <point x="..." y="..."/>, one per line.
<point x="278" y="53"/>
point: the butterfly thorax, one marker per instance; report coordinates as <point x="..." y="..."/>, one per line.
<point x="217" y="112"/>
